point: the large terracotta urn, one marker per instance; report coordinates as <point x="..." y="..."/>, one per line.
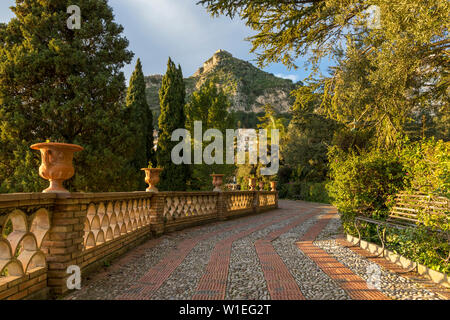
<point x="273" y="186"/>
<point x="152" y="178"/>
<point x="56" y="164"/>
<point x="217" y="181"/>
<point x="252" y="184"/>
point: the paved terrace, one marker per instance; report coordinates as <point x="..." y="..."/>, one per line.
<point x="294" y="252"/>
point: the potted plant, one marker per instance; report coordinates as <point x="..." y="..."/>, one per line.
<point x="217" y="181"/>
<point x="56" y="164"/>
<point x="151" y="177"/>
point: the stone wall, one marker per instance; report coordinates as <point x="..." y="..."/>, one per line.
<point x="43" y="234"/>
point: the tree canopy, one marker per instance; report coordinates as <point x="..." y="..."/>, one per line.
<point x="386" y="77"/>
<point x="172" y="101"/>
<point x="210" y="105"/>
<point x="64" y="85"/>
<point x="141" y="121"/>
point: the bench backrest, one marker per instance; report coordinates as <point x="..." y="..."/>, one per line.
<point x="407" y="207"/>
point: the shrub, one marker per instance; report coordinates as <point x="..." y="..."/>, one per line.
<point x="362" y="183"/>
<point x="428" y="166"/>
<point x="365" y="184"/>
<point x="421" y="245"/>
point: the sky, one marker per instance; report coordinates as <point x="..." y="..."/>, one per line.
<point x="183" y="30"/>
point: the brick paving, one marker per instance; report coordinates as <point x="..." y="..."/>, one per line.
<point x="443" y="292"/>
<point x="158" y="274"/>
<point x="356" y="287"/>
<point x="157" y="267"/>
<point x="280" y="282"/>
<point x="212" y="285"/>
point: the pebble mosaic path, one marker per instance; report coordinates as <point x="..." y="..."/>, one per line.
<point x="296" y="252"/>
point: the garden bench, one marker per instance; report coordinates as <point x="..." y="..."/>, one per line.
<point x="404" y="214"/>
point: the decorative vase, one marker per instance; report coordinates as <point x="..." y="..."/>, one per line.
<point x="273" y="186"/>
<point x="252" y="184"/>
<point x="56" y="164"/>
<point x="261" y="185"/>
<point x="217" y="181"/>
<point x="152" y="178"/>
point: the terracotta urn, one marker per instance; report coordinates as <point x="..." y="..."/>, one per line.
<point x="273" y="186"/>
<point x="252" y="184"/>
<point x="56" y="164"/>
<point x="152" y="178"/>
<point x="261" y="186"/>
<point x="217" y="181"/>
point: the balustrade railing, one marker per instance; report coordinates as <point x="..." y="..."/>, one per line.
<point x="185" y="204"/>
<point x="43" y="234"/>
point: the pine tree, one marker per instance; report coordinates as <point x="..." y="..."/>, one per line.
<point x="171" y="99"/>
<point x="64" y="85"/>
<point x="141" y="119"/>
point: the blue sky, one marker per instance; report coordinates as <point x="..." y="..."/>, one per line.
<point x="157" y="29"/>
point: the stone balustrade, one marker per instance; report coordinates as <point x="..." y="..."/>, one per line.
<point x="43" y="234"/>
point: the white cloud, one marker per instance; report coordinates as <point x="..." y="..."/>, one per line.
<point x="292" y="77"/>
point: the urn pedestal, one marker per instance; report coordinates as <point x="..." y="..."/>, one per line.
<point x="56" y="164"/>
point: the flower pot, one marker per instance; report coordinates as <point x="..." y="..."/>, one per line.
<point x="252" y="184"/>
<point x="273" y="186"/>
<point x="56" y="164"/>
<point x="152" y="178"/>
<point x="217" y="181"/>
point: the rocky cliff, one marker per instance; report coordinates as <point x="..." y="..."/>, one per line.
<point x="248" y="87"/>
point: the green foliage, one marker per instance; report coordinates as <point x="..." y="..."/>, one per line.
<point x="306" y="191"/>
<point x="361" y="183"/>
<point x="287" y="30"/>
<point x="247" y="119"/>
<point x="65" y="86"/>
<point x="141" y="121"/>
<point x="172" y="100"/>
<point x="308" y="136"/>
<point x="428" y="166"/>
<point x="271" y="120"/>
<point x="384" y="76"/>
<point x="210" y="106"/>
<point x="419" y="244"/>
<point x="353" y="140"/>
<point x="365" y="183"/>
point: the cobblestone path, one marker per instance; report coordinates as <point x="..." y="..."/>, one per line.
<point x="296" y="252"/>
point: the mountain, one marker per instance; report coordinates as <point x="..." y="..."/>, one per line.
<point x="248" y="87"/>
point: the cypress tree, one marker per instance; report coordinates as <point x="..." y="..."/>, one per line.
<point x="171" y="99"/>
<point x="141" y="119"/>
<point x="209" y="105"/>
<point x="64" y="85"/>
